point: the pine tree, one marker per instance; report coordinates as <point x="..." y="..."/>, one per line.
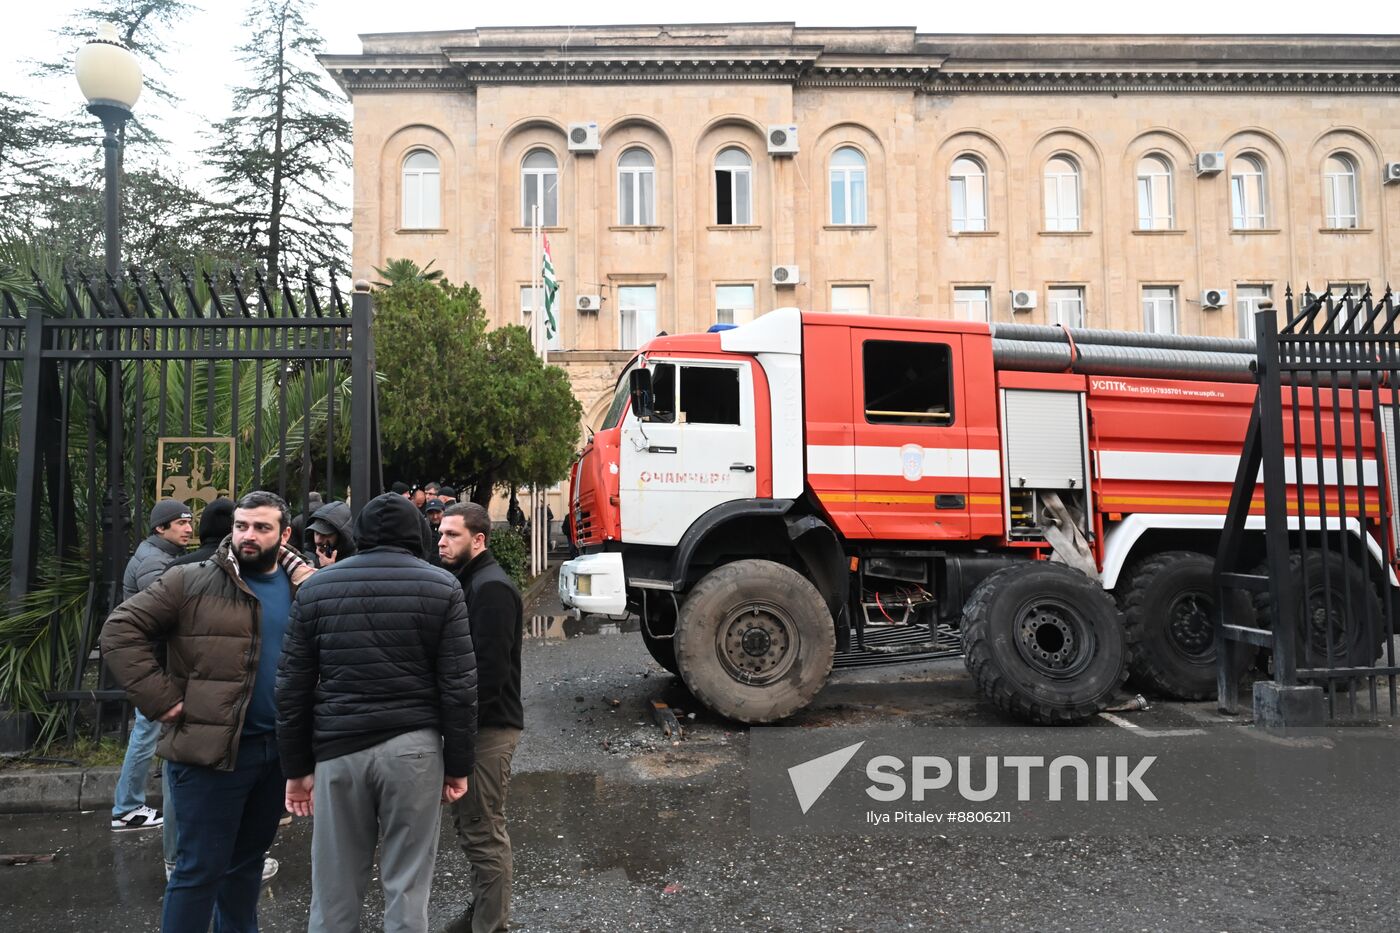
<point x="278" y="158"/>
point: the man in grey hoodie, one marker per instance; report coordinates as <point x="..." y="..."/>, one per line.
<point x="172" y="525"/>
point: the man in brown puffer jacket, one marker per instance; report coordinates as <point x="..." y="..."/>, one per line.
<point x="223" y="622"/>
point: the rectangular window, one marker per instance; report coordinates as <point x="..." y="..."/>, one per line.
<point x="1339" y="289"/>
<point x="1247" y="301"/>
<point x="1247" y="200"/>
<point x="636" y="194"/>
<point x="733" y="304"/>
<point x="533" y="182"/>
<point x="969" y="206"/>
<point x="972" y="304"/>
<point x="1061" y="202"/>
<point x="637" y="315"/>
<point x="850" y="299"/>
<point x="531" y="298"/>
<point x="1154" y="202"/>
<point x="732" y="197"/>
<point x="709" y="395"/>
<point x="908" y="383"/>
<point x="1159" y="309"/>
<point x="1067" y="306"/>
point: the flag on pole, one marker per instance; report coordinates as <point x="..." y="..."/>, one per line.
<point x="551" y="288"/>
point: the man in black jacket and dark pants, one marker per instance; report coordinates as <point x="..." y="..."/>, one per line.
<point x="376" y="717"/>
<point x="495" y="610"/>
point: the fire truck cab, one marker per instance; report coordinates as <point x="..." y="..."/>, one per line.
<point x="763" y="494"/>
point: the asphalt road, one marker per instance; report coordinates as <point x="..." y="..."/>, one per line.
<point x="617" y="828"/>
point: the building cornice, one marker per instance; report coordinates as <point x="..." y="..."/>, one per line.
<point x="845" y="58"/>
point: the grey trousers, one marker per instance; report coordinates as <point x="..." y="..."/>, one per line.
<point x="480" y="816"/>
<point x="389" y="795"/>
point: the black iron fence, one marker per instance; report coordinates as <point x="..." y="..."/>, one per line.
<point x="1321" y="448"/>
<point x="117" y="394"/>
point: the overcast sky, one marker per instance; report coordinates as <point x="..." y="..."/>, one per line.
<point x="204" y="62"/>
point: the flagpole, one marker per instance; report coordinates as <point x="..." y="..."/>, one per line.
<point x="535" y="315"/>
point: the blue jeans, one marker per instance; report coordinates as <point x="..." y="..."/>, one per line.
<point x="136" y="766"/>
<point x="228" y="820"/>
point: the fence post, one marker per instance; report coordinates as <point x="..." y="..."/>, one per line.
<point x="25" y="544"/>
<point x="364" y="482"/>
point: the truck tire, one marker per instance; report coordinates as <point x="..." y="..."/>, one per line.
<point x="1044" y="643"/>
<point x="1353" y="645"/>
<point x="1168" y="615"/>
<point x="754" y="641"/>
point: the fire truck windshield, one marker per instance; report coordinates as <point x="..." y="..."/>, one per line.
<point x="620" y="396"/>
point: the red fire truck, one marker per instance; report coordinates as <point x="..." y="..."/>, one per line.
<point x="767" y="496"/>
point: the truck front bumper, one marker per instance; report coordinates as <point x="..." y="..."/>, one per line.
<point x="594" y="583"/>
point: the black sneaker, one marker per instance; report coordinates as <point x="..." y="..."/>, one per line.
<point x="140" y="818"/>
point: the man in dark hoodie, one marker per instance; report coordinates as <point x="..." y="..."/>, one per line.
<point x="331" y="536"/>
<point x="376" y="717"/>
<point x="494" y="608"/>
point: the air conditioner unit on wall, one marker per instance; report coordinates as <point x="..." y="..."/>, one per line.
<point x="1391" y="173"/>
<point x="1210" y="163"/>
<point x="588" y="303"/>
<point x="782" y="139"/>
<point x="1022" y="300"/>
<point x="1214" y="298"/>
<point x="785" y="275"/>
<point x="583" y="137"/>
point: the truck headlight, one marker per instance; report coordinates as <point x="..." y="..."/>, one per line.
<point x="584" y="584"/>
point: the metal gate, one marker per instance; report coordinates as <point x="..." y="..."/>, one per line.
<point x="190" y="386"/>
<point x="1323" y="430"/>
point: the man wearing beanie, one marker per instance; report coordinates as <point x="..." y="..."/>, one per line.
<point x="171" y="526"/>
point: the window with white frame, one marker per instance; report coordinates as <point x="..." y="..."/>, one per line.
<point x="539" y="185"/>
<point x="733" y="304"/>
<point x="1061" y="194"/>
<point x="1248" y="208"/>
<point x="636" y="188"/>
<point x="1154" y="186"/>
<point x="1248" y="298"/>
<point x="1067" y="305"/>
<point x="967" y="193"/>
<point x="636" y="305"/>
<point x="733" y="187"/>
<point x="1339" y="191"/>
<point x="847" y="186"/>
<point x="850" y="299"/>
<point x="532" y="299"/>
<point x="1338" y="289"/>
<point x="972" y="303"/>
<point x="422" y="191"/>
<point x="1159" y="309"/>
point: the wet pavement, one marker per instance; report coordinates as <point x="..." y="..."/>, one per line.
<point x="617" y="828"/>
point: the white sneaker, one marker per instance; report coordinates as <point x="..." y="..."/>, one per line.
<point x="141" y="818"/>
<point x="269" y="869"/>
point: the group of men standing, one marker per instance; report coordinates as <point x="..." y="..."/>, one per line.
<point x="366" y="692"/>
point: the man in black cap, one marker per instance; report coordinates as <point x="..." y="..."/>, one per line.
<point x="331" y="534"/>
<point x="400" y="489"/>
<point x="171" y="525"/>
<point x="447" y="495"/>
<point x="432" y="511"/>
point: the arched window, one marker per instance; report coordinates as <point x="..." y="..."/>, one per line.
<point x="1154" y="185"/>
<point x="967" y="192"/>
<point x="1248" y="206"/>
<point x="1339" y="191"/>
<point x="733" y="187"/>
<point x="422" y="191"/>
<point x="847" y="186"/>
<point x="636" y="189"/>
<point x="539" y="185"/>
<point x="1061" y="194"/>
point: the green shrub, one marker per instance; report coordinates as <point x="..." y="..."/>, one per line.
<point x="512" y="553"/>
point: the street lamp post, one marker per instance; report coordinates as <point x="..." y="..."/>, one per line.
<point x="110" y="78"/>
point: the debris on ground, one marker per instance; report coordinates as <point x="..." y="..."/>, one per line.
<point x="27" y="859"/>
<point x="1132" y="705"/>
<point x="662" y="715"/>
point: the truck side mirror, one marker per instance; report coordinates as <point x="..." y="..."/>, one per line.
<point x="641" y="394"/>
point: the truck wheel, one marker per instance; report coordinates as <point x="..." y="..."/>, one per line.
<point x="1355" y="643"/>
<point x="1169" y="618"/>
<point x="1044" y="643"/>
<point x="755" y="641"/>
<point x="661" y="619"/>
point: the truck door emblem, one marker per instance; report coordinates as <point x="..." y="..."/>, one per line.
<point x="911" y="459"/>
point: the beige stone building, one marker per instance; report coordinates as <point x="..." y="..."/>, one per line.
<point x="685" y="171"/>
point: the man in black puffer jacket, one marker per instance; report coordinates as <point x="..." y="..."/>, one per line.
<point x="376" y="716"/>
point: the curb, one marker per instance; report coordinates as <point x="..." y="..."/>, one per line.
<point x="538" y="585"/>
<point x="64" y="790"/>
